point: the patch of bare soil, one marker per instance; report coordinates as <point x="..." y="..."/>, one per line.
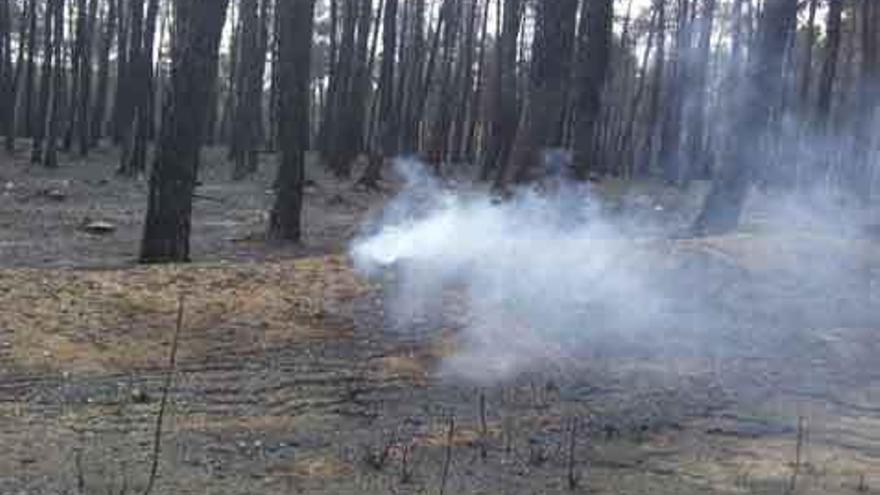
<point x="287" y="381"/>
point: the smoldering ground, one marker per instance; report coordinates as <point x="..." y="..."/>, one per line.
<point x="556" y="275"/>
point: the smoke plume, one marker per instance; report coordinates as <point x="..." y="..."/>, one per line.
<point x="553" y="274"/>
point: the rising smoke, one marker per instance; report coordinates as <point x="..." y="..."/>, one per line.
<point x="552" y="274"/>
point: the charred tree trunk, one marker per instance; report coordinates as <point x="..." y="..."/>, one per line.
<point x="137" y="114"/>
<point x="285" y="223"/>
<point x="76" y="62"/>
<point x="12" y="127"/>
<point x="441" y="126"/>
<point x="122" y="61"/>
<point x="593" y="64"/>
<point x="198" y="28"/>
<point x="829" y="67"/>
<point x="99" y="111"/>
<point x="698" y="163"/>
<point x="807" y="69"/>
<point x="654" y="121"/>
<point x="676" y="87"/>
<point x="411" y="87"/>
<point x="54" y="105"/>
<point x="542" y="122"/>
<point x="724" y="203"/>
<point x="387" y="115"/>
<point x="30" y="86"/>
<point x="869" y="101"/>
<point x="475" y="119"/>
<point x="504" y="91"/>
<point x="8" y="74"/>
<point x="335" y="151"/>
<point x="249" y="88"/>
<point x="40" y="118"/>
<point x="464" y="82"/>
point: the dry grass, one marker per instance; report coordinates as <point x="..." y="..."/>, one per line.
<point x="97" y="321"/>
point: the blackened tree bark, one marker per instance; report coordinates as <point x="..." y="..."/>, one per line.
<point x="99" y="111"/>
<point x="11" y="124"/>
<point x="698" y="162"/>
<point x="198" y="28"/>
<point x="412" y="77"/>
<point x="78" y="119"/>
<point x="387" y="115"/>
<point x="120" y="99"/>
<point x="145" y="93"/>
<point x="274" y="90"/>
<point x="439" y="137"/>
<point x="761" y="94"/>
<point x="678" y="78"/>
<point x="136" y="88"/>
<point x="542" y="122"/>
<point x="593" y="64"/>
<point x="654" y="121"/>
<point x="297" y="19"/>
<point x="829" y="66"/>
<point x="339" y="93"/>
<point x="422" y="90"/>
<point x="807" y="68"/>
<point x="869" y="101"/>
<point x="53" y="112"/>
<point x="30" y="87"/>
<point x="351" y="102"/>
<point x="7" y="71"/>
<point x="76" y="61"/>
<point x="475" y="113"/>
<point x="39" y="121"/>
<point x="249" y="85"/>
<point x="464" y="82"/>
<point x="503" y="92"/>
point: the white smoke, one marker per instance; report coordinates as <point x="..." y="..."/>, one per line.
<point x="536" y="273"/>
<point x="551" y="274"/>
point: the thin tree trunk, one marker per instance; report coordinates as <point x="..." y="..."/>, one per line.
<point x="245" y="135"/>
<point x="698" y="162"/>
<point x="99" y="112"/>
<point x="122" y="62"/>
<point x="387" y="117"/>
<point x="861" y="174"/>
<point x="829" y="67"/>
<point x="45" y="83"/>
<point x="30" y="86"/>
<point x="77" y="55"/>
<point x="53" y="113"/>
<point x="654" y="122"/>
<point x="807" y="69"/>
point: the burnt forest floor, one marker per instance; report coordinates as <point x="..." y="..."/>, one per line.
<point x="287" y="381"/>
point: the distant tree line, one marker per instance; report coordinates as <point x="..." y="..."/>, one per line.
<point x="734" y="91"/>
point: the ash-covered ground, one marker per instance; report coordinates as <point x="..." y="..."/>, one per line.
<point x="737" y="364"/>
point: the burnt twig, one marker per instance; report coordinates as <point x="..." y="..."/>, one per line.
<point x="169" y="377"/>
